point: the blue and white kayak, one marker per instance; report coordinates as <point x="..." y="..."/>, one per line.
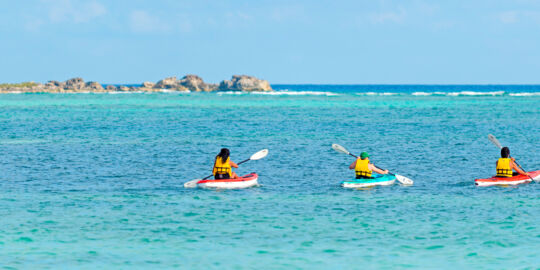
<point x="377" y="180"/>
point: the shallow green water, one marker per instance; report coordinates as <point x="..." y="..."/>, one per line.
<point x="95" y="181"/>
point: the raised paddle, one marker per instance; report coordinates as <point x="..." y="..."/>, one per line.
<point x="259" y="155"/>
<point x="402" y="179"/>
<point x="498" y="144"/>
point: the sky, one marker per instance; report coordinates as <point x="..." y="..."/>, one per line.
<point x="284" y="42"/>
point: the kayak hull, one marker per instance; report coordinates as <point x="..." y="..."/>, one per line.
<point x="377" y="180"/>
<point x="245" y="181"/>
<point x="507" y="181"/>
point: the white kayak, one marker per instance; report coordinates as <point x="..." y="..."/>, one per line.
<point x="245" y="181"/>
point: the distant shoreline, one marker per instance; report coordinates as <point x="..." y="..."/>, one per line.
<point x="248" y="84"/>
<point x="191" y="83"/>
<point x="360" y="90"/>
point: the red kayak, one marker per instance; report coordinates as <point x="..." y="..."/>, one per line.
<point x="515" y="180"/>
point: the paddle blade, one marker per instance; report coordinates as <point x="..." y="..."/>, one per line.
<point x="259" y="155"/>
<point x="404" y="180"/>
<point x="192" y="183"/>
<point x="494" y="140"/>
<point x="340" y="149"/>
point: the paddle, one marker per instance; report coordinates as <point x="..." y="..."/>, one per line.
<point x="402" y="179"/>
<point x="259" y="155"/>
<point x="498" y="144"/>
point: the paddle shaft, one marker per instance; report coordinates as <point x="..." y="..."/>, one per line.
<point x="522" y="168"/>
<point x="243" y="161"/>
<point x="517" y="163"/>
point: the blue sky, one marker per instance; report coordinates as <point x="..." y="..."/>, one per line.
<point x="293" y="41"/>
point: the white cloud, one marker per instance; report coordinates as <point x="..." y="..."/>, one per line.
<point x="33" y="24"/>
<point x="387" y="16"/>
<point x="518" y="16"/>
<point x="397" y="13"/>
<point x="236" y="18"/>
<point x="184" y="25"/>
<point x="74" y="11"/>
<point x="508" y="17"/>
<point x="287" y="13"/>
<point x="443" y="25"/>
<point x="141" y="21"/>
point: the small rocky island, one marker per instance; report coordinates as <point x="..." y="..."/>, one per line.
<point x="192" y="83"/>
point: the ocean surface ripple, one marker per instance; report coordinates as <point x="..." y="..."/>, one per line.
<point x="95" y="180"/>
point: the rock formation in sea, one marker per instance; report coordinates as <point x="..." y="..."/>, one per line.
<point x="189" y="82"/>
<point x="244" y="83"/>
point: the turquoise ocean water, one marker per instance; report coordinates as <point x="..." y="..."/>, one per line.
<point x="95" y="181"/>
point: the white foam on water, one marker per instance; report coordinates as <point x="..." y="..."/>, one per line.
<point x="524" y="94"/>
<point x="174" y="91"/>
<point x="462" y="93"/>
<point x="473" y="93"/>
<point x="230" y="93"/>
<point x="121" y="92"/>
<point x="422" y="94"/>
<point x="279" y="93"/>
<point x="13" y="92"/>
<point x="376" y="94"/>
<point x="296" y="93"/>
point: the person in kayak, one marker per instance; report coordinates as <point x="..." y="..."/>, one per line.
<point x="363" y="168"/>
<point x="506" y="165"/>
<point x="223" y="166"/>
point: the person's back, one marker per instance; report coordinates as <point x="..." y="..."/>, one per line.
<point x="223" y="166"/>
<point x="506" y="165"/>
<point x="363" y="167"/>
<point x="222" y="169"/>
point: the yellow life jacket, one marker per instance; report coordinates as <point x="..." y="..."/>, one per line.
<point x="222" y="167"/>
<point x="362" y="168"/>
<point x="503" y="167"/>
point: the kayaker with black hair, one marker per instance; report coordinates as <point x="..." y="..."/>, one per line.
<point x="506" y="165"/>
<point x="223" y="166"/>
<point x="364" y="168"/>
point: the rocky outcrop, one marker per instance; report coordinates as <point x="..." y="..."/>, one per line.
<point x="194" y="83"/>
<point x="75" y="84"/>
<point x="244" y="83"/>
<point x="167" y="83"/>
<point x="189" y="82"/>
<point x="148" y="85"/>
<point x="94" y="86"/>
<point x="54" y="85"/>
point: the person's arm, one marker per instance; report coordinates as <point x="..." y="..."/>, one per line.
<point x="353" y="165"/>
<point x="377" y="170"/>
<point x="233" y="164"/>
<point x="516" y="168"/>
